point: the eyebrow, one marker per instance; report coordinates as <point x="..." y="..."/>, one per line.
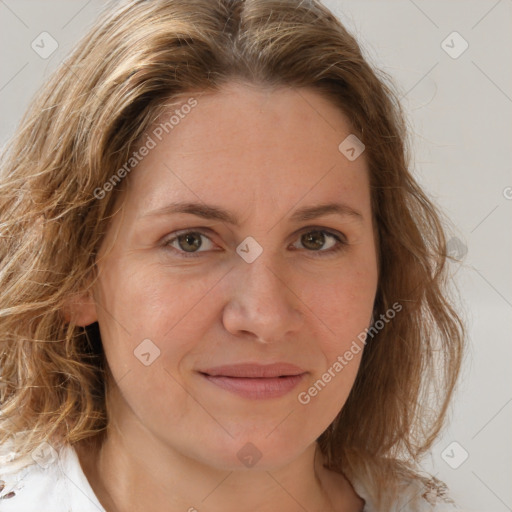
<point x="212" y="212"/>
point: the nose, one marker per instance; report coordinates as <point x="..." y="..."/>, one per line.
<point x="263" y="303"/>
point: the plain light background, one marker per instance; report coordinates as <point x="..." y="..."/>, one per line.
<point x="459" y="108"/>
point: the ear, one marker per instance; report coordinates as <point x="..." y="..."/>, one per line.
<point x="80" y="309"/>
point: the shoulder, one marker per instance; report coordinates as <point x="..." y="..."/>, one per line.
<point x="420" y="494"/>
<point x="47" y="480"/>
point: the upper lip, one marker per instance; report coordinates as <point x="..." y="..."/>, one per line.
<point x="254" y="370"/>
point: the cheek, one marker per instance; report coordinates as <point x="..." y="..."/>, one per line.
<point x="342" y="312"/>
<point x="147" y="302"/>
<point x="341" y="308"/>
<point x="342" y="302"/>
<point x="147" y="328"/>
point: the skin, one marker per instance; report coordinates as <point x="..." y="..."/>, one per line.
<point x="174" y="437"/>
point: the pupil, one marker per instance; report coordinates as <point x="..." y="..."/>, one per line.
<point x="316" y="237"/>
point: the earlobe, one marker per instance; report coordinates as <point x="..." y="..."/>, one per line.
<point x="80" y="309"/>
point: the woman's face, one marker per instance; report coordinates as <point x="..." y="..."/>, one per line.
<point x="244" y="276"/>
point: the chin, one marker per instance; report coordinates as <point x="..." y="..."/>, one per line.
<point x="257" y="451"/>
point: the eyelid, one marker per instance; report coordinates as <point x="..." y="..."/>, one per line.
<point x="333" y="232"/>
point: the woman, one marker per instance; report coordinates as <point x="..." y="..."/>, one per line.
<point x="222" y="289"/>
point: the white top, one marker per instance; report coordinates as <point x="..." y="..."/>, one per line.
<point x="55" y="482"/>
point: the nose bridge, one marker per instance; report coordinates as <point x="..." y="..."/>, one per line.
<point x="261" y="280"/>
<point x="260" y="300"/>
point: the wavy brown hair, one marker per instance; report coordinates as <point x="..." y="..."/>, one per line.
<point x="140" y="58"/>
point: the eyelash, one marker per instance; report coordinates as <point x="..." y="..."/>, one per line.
<point x="340" y="245"/>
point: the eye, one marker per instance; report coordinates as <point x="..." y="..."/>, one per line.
<point x="188" y="243"/>
<point x="322" y="241"/>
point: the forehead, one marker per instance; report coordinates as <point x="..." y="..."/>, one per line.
<point x="255" y="115"/>
<point x="250" y="143"/>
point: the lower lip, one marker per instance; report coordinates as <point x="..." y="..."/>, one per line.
<point x="274" y="387"/>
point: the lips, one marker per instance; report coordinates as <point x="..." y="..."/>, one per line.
<point x="255" y="381"/>
<point x="255" y="371"/>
